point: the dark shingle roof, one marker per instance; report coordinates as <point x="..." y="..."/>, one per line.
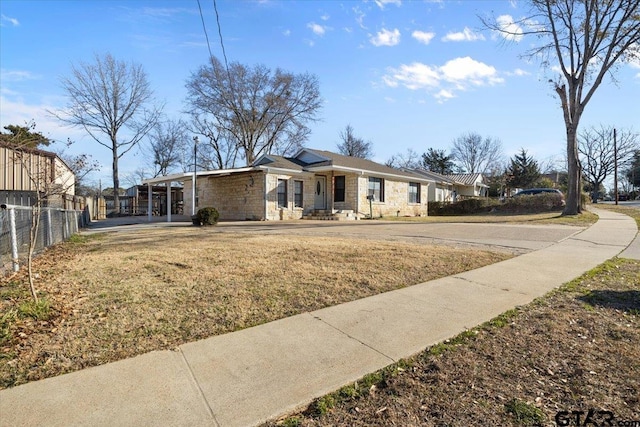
<point x="357" y="163"/>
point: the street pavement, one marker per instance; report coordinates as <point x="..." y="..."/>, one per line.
<point x="247" y="377"/>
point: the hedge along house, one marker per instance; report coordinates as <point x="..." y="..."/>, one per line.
<point x="313" y="184"/>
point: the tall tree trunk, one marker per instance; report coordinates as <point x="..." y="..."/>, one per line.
<point x="573" y="206"/>
<point x="116" y="185"/>
<point x="116" y="179"/>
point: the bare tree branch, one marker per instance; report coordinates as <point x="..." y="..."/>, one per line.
<point x="253" y="108"/>
<point x="353" y="146"/>
<point x="114" y="99"/>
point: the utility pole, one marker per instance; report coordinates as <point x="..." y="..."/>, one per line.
<point x="194" y="193"/>
<point x="615" y="166"/>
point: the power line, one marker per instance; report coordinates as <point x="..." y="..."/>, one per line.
<point x="224" y="53"/>
<point x="204" y="27"/>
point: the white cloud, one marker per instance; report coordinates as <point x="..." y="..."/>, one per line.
<point x="325" y="17"/>
<point x="16" y="75"/>
<point x="359" y="17"/>
<point x="443" y="95"/>
<point x="422" y="36"/>
<point x="12" y="21"/>
<point x="456" y="75"/>
<point x="317" y="29"/>
<point x="386" y="38"/>
<point x="414" y="76"/>
<point x="468" y="70"/>
<point x="382" y="3"/>
<point x="286" y="33"/>
<point x="519" y="72"/>
<point x="509" y="29"/>
<point x="466" y="35"/>
<point x="15" y="111"/>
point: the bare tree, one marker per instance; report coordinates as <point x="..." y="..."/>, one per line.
<point x="110" y="98"/>
<point x="136" y="177"/>
<point x="81" y="165"/>
<point x="586" y="39"/>
<point x="168" y="143"/>
<point x="408" y="160"/>
<point x="596" y="147"/>
<point x="219" y="151"/>
<point x="253" y="108"/>
<point x="354" y="146"/>
<point x="475" y="154"/>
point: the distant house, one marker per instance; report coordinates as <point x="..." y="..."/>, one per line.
<point x="313" y="184"/>
<point x="24" y="171"/>
<point x="448" y="188"/>
<point x="470" y="184"/>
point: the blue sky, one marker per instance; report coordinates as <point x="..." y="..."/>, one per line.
<point x="404" y="74"/>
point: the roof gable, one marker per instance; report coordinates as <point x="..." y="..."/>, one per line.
<point x="308" y="156"/>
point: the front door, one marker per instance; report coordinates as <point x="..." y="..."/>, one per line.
<point x="320" y="201"/>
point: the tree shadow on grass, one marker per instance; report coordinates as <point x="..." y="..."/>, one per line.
<point x="628" y="301"/>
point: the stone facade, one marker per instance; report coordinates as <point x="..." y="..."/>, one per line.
<point x="274" y="212"/>
<point x="254" y="196"/>
<point x="236" y="197"/>
<point x="396" y="199"/>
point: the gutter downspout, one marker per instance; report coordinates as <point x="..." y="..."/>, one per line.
<point x="358" y="194"/>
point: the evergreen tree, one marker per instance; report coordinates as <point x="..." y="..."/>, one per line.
<point x="438" y="161"/>
<point x="523" y="171"/>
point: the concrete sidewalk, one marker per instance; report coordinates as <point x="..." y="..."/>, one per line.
<point x="247" y="377"/>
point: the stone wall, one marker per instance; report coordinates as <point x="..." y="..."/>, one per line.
<point x="396" y="199"/>
<point x="236" y="197"/>
<point x="290" y="211"/>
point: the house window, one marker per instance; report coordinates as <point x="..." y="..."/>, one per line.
<point x="282" y="193"/>
<point x="297" y="194"/>
<point x="376" y="188"/>
<point x="414" y="192"/>
<point x="339" y="185"/>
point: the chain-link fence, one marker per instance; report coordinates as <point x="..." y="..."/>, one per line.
<point x="56" y="225"/>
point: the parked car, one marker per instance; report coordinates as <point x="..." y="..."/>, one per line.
<point x="623" y="197"/>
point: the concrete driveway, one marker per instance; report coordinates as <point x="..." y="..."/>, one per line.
<point x="512" y="238"/>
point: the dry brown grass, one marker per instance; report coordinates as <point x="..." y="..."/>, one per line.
<point x="577" y="349"/>
<point x="582" y="220"/>
<point x="117" y="295"/>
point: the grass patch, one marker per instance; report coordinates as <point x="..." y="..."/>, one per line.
<point x="126" y="294"/>
<point x="7" y="319"/>
<point x="39" y="310"/>
<point x="524" y="413"/>
<point x="584" y="219"/>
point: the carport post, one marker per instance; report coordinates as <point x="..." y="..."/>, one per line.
<point x="169" y="201"/>
<point x="149" y="205"/>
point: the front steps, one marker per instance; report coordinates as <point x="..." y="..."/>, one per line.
<point x="336" y="215"/>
